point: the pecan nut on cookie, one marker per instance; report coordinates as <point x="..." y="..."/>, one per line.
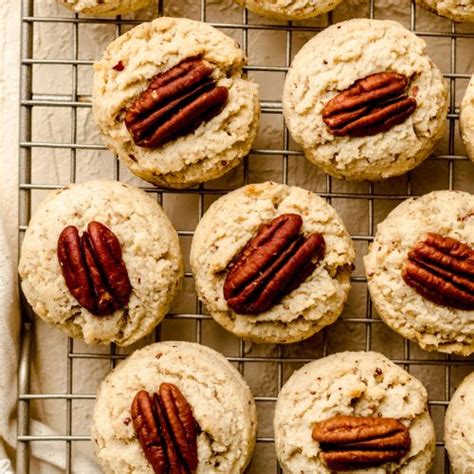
<point x="272" y="263"/>
<point x="364" y="100"/>
<point x="171" y="100"/>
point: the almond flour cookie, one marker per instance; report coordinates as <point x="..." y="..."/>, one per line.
<point x="101" y="261"/>
<point x="353" y="397"/>
<point x="466" y="119"/>
<point x="289" y="10"/>
<point x="215" y="396"/>
<point x="171" y="101"/>
<point x="456" y="10"/>
<point x="105" y="7"/>
<point x="272" y="263"/>
<point x="364" y="100"/>
<point x="459" y="427"/>
<point x="420" y="271"/>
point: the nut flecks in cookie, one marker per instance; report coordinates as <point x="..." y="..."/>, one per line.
<point x="93" y="268"/>
<point x="175" y="103"/>
<point x="441" y="269"/>
<point x="166" y="430"/>
<point x="370" y="106"/>
<point x="353" y="442"/>
<point x="272" y="264"/>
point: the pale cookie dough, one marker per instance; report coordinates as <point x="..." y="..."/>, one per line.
<point x="104" y="7"/>
<point x="459" y="428"/>
<point x="234" y="219"/>
<point x="432" y="326"/>
<point x="218" y="395"/>
<point x="150" y="250"/>
<point x="151" y="48"/>
<point x="466" y="119"/>
<point x="334" y="60"/>
<point x="289" y="9"/>
<point x="355" y="384"/>
<point x="456" y="10"/>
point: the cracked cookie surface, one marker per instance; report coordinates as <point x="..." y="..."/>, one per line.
<point x="105" y="7"/>
<point x="351" y="384"/>
<point x="466" y="119"/>
<point x="432" y="326"/>
<point x="457" y="10"/>
<point x="220" y="399"/>
<point x="150" y="251"/>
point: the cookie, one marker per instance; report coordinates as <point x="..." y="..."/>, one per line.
<point x="219" y="398"/>
<point x="101" y="261"/>
<point x="351" y="388"/>
<point x="289" y="10"/>
<point x="466" y="119"/>
<point x="171" y="101"/>
<point x="459" y="427"/>
<point x="290" y="301"/>
<point x="456" y="10"/>
<point x="364" y="100"/>
<point x="105" y="7"/>
<point x="420" y="271"/>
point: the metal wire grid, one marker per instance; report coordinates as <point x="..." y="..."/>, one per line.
<point x="73" y="101"/>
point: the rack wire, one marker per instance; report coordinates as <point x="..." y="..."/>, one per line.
<point x="280" y="358"/>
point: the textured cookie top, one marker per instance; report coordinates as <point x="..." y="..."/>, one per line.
<point x="357" y="384"/>
<point x="459" y="427"/>
<point x="333" y="61"/>
<point x="150" y="250"/>
<point x="289" y="9"/>
<point x="457" y="10"/>
<point x="218" y="395"/>
<point x="434" y="327"/>
<point x="466" y="119"/>
<point x="105" y="7"/>
<point x="153" y="48"/>
<point x="232" y="221"/>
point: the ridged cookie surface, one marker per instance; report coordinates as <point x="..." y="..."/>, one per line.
<point x="220" y="399"/>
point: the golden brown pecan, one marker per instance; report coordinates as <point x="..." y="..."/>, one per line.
<point x="441" y="269"/>
<point x="371" y="105"/>
<point x="271" y="265"/>
<point x="166" y="430"/>
<point x="352" y="442"/>
<point x="175" y="103"/>
<point x="93" y="268"/>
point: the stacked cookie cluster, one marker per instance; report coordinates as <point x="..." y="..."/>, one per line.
<point x="271" y="263"/>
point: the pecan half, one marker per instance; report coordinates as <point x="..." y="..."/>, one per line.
<point x="371" y="105"/>
<point x="175" y="103"/>
<point x="441" y="269"/>
<point x="93" y="268"/>
<point x="166" y="430"/>
<point x="271" y="265"/>
<point x="352" y="442"/>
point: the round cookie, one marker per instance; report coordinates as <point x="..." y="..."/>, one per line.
<point x="466" y="119"/>
<point x="433" y="326"/>
<point x="128" y="67"/>
<point x="226" y="228"/>
<point x="456" y="10"/>
<point x="362" y="384"/>
<point x="150" y="251"/>
<point x="331" y="63"/>
<point x="289" y="10"/>
<point x="220" y="399"/>
<point x="104" y="7"/>
<point x="459" y="427"/>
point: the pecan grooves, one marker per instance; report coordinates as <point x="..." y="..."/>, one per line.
<point x="441" y="269"/>
<point x="271" y="265"/>
<point x="352" y="442"/>
<point x="93" y="268"/>
<point x="166" y="430"/>
<point x="371" y="105"/>
<point x="175" y="103"/>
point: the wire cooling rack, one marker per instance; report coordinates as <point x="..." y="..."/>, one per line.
<point x="435" y="370"/>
